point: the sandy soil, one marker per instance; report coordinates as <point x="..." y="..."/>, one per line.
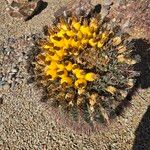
<point x="26" y="123"/>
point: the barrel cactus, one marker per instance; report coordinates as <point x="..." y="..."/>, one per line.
<point x="86" y="63"/>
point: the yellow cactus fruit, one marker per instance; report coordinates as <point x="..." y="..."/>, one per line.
<point x="55" y="57"/>
<point x="92" y="42"/>
<point x="68" y="65"/>
<point x="111" y="90"/>
<point x="74" y="20"/>
<point x="90" y="76"/>
<point x="54" y="38"/>
<point x="79" y="73"/>
<point x="62" y="73"/>
<point x="75" y="67"/>
<point x="100" y="44"/>
<point x="70" y="33"/>
<point x="60" y="53"/>
<point x="76" y="25"/>
<point x="116" y="41"/>
<point x="47" y="46"/>
<point x="61" y="33"/>
<point x="51" y="73"/>
<point x="80" y="83"/>
<point x="64" y="26"/>
<point x="84" y="41"/>
<point x="53" y="65"/>
<point x="57" y="41"/>
<point x="60" y="66"/>
<point x="79" y="35"/>
<point x="85" y="30"/>
<point x="48" y="57"/>
<point x="75" y="43"/>
<point x="94" y="35"/>
<point x="67" y="43"/>
<point x="66" y="80"/>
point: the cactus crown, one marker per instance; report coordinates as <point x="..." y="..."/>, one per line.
<point x="86" y="61"/>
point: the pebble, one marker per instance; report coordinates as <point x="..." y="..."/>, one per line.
<point x="15" y="70"/>
<point x="6" y="86"/>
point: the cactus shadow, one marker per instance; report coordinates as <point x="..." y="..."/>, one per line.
<point x="142" y="133"/>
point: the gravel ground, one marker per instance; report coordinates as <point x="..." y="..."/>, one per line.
<point x="26" y="123"/>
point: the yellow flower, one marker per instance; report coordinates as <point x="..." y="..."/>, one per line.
<point x="94" y="35"/>
<point x="75" y="43"/>
<point x="60" y="53"/>
<point x="80" y="83"/>
<point x="92" y="42"/>
<point x="57" y="41"/>
<point x="100" y="44"/>
<point x="52" y="66"/>
<point x="60" y="66"/>
<point x="67" y="43"/>
<point x="62" y="73"/>
<point x="75" y="68"/>
<point x="111" y="89"/>
<point x="76" y="25"/>
<point x="90" y="76"/>
<point x="55" y="57"/>
<point x="51" y="73"/>
<point x="70" y="33"/>
<point x="47" y="46"/>
<point x="85" y="30"/>
<point x="66" y="80"/>
<point x="79" y="35"/>
<point x="68" y="65"/>
<point x="84" y="41"/>
<point x="61" y="33"/>
<point x="79" y="73"/>
<point x="48" y="57"/>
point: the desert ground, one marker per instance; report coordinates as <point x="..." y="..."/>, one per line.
<point x="27" y="123"/>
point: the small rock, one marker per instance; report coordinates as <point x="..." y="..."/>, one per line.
<point x="6" y="86"/>
<point x="15" y="70"/>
